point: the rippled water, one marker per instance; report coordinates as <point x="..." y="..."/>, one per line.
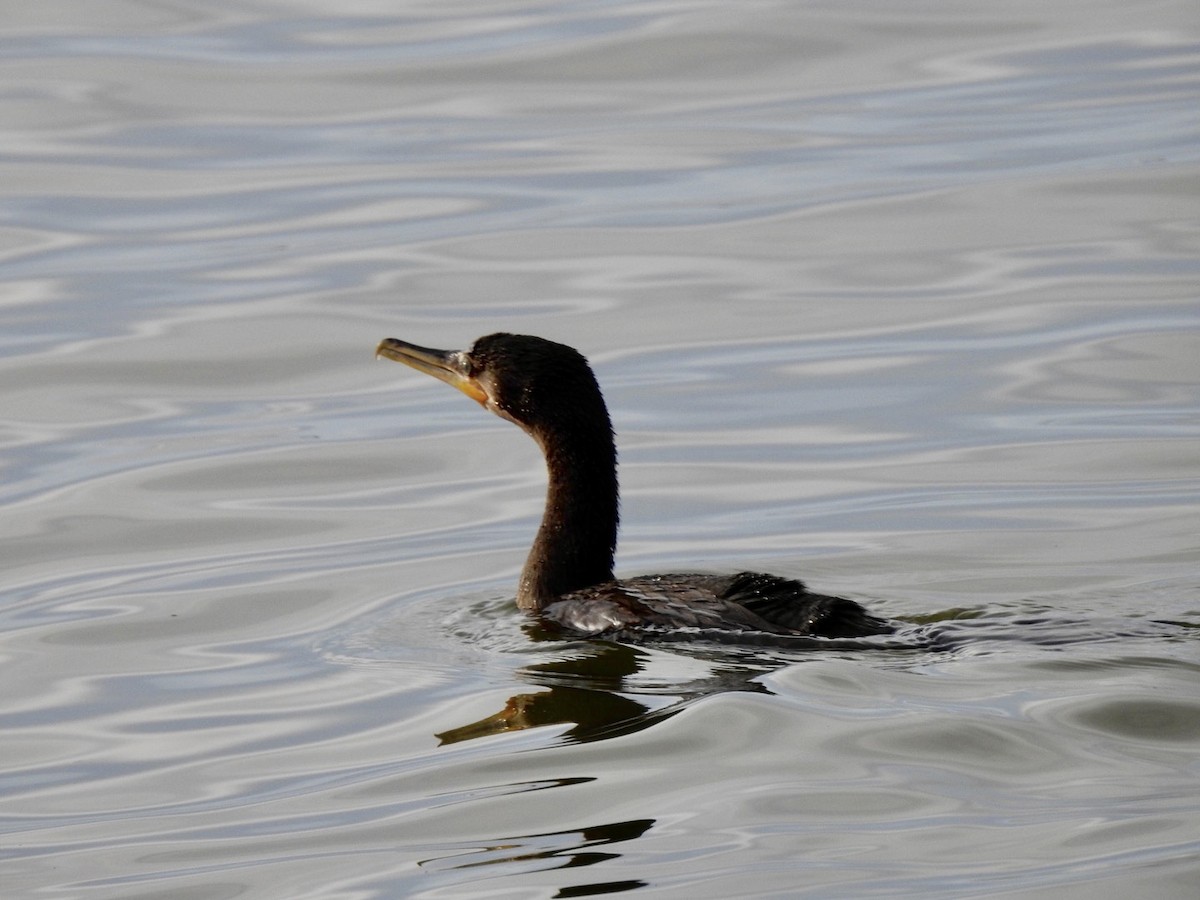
<point x="900" y="300"/>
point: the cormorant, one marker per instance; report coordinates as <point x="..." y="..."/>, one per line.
<point x="549" y="390"/>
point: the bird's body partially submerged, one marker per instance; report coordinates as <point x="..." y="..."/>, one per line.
<point x="747" y="601"/>
<point x="549" y="390"/>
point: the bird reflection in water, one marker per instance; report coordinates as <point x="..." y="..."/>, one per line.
<point x="593" y="694"/>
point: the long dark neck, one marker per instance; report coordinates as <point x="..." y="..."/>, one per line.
<point x="578" y="535"/>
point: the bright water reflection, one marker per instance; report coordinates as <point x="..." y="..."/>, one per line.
<point x="902" y="302"/>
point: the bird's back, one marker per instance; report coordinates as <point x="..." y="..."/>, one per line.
<point x="747" y="601"/>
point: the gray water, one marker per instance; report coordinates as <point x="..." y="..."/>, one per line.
<point x="902" y="300"/>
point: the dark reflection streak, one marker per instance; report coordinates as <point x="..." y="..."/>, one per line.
<point x="602" y="664"/>
<point x="603" y="887"/>
<point x="563" y="847"/>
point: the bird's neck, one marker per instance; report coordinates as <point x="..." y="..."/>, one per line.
<point x="575" y="544"/>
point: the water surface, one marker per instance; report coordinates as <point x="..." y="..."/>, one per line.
<point x="902" y="302"/>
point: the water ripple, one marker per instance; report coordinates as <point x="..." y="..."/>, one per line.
<point x="908" y="310"/>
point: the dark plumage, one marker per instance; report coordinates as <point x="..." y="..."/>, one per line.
<point x="549" y="390"/>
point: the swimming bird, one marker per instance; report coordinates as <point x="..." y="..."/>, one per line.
<point x="549" y="390"/>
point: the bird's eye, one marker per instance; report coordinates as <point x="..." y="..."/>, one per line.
<point x="467" y="363"/>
